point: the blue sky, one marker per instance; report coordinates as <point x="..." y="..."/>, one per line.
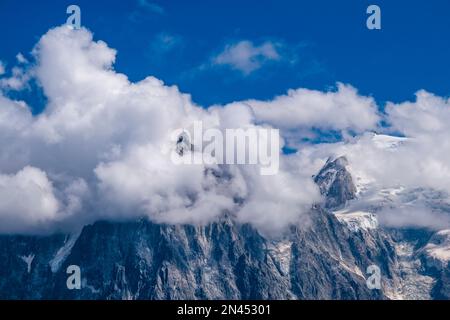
<point x="317" y="43"/>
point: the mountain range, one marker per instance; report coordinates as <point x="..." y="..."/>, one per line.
<point x="326" y="257"/>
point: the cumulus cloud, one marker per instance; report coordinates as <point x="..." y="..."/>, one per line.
<point x="428" y="115"/>
<point x="26" y="198"/>
<point x="29" y="201"/>
<point x="100" y="147"/>
<point x="101" y="144"/>
<point x="302" y="109"/>
<point x="246" y="57"/>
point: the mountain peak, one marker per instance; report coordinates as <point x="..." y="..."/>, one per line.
<point x="335" y="182"/>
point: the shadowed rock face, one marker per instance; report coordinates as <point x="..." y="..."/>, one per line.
<point x="223" y="260"/>
<point x="183" y="144"/>
<point x="336" y="183"/>
<point x="441" y="290"/>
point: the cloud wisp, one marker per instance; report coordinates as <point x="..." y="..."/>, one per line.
<point x="247" y="57"/>
<point x="151" y="6"/>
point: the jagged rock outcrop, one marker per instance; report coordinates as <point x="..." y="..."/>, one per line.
<point x="336" y="183"/>
<point x="222" y="260"/>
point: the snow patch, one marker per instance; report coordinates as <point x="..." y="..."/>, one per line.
<point x="281" y="251"/>
<point x="439" y="246"/>
<point x="352" y="268"/>
<point x="28" y="260"/>
<point x="383" y="141"/>
<point x="63" y="252"/>
<point x="358" y="220"/>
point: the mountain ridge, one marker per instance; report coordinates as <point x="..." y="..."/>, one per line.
<point x="327" y="258"/>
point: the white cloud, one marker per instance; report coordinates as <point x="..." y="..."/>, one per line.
<point x="103" y="133"/>
<point x="340" y="110"/>
<point x="428" y="115"/>
<point x="17" y="81"/>
<point x="26" y="199"/>
<point x="275" y="201"/>
<point x="407" y="182"/>
<point x="246" y="57"/>
<point x="98" y="150"/>
<point x="2" y="68"/>
<point x="21" y="58"/>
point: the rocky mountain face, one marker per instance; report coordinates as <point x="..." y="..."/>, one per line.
<point x="435" y="256"/>
<point x="326" y="258"/>
<point x="336" y="183"/>
<point x="223" y="260"/>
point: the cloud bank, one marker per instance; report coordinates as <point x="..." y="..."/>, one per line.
<point x="100" y="149"/>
